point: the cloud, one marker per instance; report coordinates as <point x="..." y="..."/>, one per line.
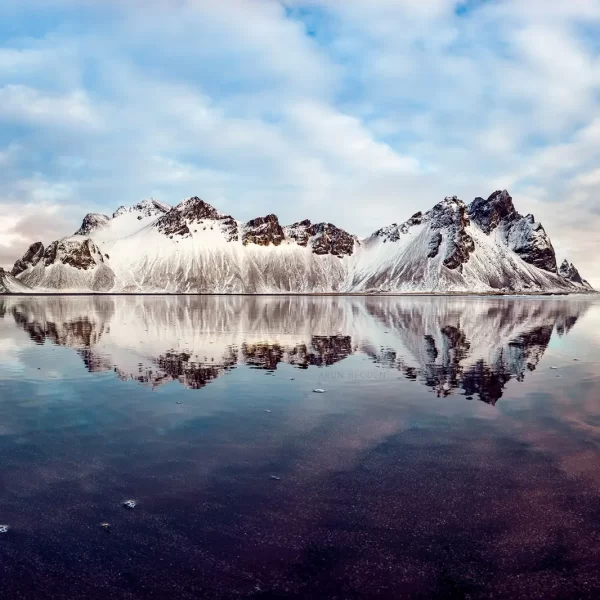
<point x="19" y="103"/>
<point x="359" y="113"/>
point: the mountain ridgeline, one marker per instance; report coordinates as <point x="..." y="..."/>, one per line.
<point x="485" y="246"/>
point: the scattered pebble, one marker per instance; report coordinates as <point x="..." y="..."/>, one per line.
<point x="291" y="379"/>
<point x="4" y="528"/>
<point x="267" y="410"/>
<point x="178" y="402"/>
<point x="319" y="391"/>
<point x="130" y="504"/>
<point x="554" y="367"/>
<point x="105" y="526"/>
<point x="275" y="478"/>
<point x="575" y="359"/>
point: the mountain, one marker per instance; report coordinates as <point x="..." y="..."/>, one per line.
<point x="568" y="271"/>
<point x="484" y="246"/>
<point x="10" y="285"/>
<point x="453" y="345"/>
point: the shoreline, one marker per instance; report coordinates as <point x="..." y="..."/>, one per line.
<point x="326" y="294"/>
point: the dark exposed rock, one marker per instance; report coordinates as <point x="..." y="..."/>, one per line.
<point x="81" y="255"/>
<point x="299" y="232"/>
<point x="451" y="215"/>
<point x="194" y="211"/>
<point x="569" y="272"/>
<point x="323" y="238"/>
<point x="393" y="232"/>
<point x="30" y="258"/>
<point x="329" y="239"/>
<point x="530" y="241"/>
<point x="434" y="244"/>
<point x="92" y="222"/>
<point x="489" y="213"/>
<point x="522" y="234"/>
<point x="263" y="231"/>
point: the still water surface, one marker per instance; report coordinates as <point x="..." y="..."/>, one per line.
<point x="454" y="452"/>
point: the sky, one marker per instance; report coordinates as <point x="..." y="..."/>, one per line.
<point x="356" y="112"/>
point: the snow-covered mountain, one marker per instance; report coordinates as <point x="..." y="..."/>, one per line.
<point x="11" y="285"/>
<point x="193" y="248"/>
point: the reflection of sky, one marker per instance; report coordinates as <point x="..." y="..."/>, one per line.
<point x="380" y="476"/>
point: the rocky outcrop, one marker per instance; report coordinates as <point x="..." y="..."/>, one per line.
<point x="81" y="255"/>
<point x="451" y="216"/>
<point x="569" y="272"/>
<point x="523" y="235"/>
<point x="488" y="214"/>
<point x="323" y="238"/>
<point x="92" y="222"/>
<point x="434" y="244"/>
<point x="31" y="258"/>
<point x="194" y="216"/>
<point x="393" y="232"/>
<point x="263" y="231"/>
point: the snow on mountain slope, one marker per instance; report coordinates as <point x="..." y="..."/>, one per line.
<point x="9" y="284"/>
<point x="194" y="248"/>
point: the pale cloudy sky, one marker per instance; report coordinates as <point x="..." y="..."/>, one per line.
<point x="358" y="112"/>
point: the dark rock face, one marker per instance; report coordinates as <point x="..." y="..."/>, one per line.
<point x="194" y="211"/>
<point x="568" y="271"/>
<point x="489" y="213"/>
<point x="323" y="238"/>
<point x="299" y="232"/>
<point x="434" y="245"/>
<point x="263" y="231"/>
<point x="531" y="242"/>
<point x="92" y="222"/>
<point x="329" y="239"/>
<point x="31" y="258"/>
<point x="80" y="255"/>
<point x="393" y="232"/>
<point x="451" y="216"/>
<point x="522" y="234"/>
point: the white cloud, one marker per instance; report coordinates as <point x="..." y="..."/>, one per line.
<point x="24" y="104"/>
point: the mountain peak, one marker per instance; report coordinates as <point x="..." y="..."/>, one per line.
<point x="263" y="231"/>
<point x="568" y="271"/>
<point x="31" y="258"/>
<point x="488" y="214"/>
<point x="194" y="211"/>
<point x="522" y="234"/>
<point x="92" y="222"/>
<point x="323" y="238"/>
<point x="146" y="208"/>
<point x="195" y="207"/>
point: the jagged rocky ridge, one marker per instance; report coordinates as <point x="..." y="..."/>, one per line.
<point x="452" y="345"/>
<point x="484" y="246"/>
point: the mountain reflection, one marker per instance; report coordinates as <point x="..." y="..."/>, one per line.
<point x="472" y="346"/>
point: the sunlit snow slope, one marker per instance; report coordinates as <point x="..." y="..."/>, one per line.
<point x="193" y="248"/>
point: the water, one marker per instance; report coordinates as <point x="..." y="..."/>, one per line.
<point x="454" y="452"/>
